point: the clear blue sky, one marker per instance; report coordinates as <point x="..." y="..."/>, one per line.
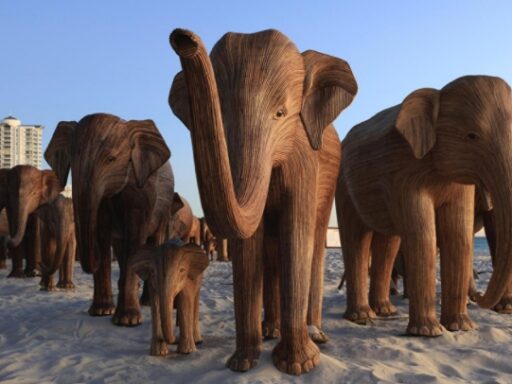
<point x="61" y="60"/>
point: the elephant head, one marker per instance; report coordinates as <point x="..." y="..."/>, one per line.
<point x="465" y="131"/>
<point x="245" y="104"/>
<point x="105" y="154"/>
<point x="28" y="188"/>
<point x="170" y="267"/>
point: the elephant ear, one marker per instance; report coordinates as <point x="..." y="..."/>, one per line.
<point x="198" y="260"/>
<point x="58" y="152"/>
<point x="51" y="187"/>
<point x="148" y="149"/>
<point x="177" y="203"/>
<point x="141" y="262"/>
<point x="329" y="87"/>
<point x="178" y="99"/>
<point x="417" y="118"/>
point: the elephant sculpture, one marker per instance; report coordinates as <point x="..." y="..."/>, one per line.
<point x="175" y="274"/>
<point x="266" y="157"/>
<point x="122" y="195"/>
<point x="207" y="238"/>
<point x="58" y="243"/>
<point x="28" y="188"/>
<point x="409" y="173"/>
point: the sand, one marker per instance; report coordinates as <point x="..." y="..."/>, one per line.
<point x="49" y="338"/>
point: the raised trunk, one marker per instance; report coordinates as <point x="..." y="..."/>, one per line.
<point x="502" y="272"/>
<point x="232" y="211"/>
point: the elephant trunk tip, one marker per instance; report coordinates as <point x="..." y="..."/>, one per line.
<point x="184" y="42"/>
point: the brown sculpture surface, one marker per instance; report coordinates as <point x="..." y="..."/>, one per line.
<point x="266" y="158"/>
<point x="58" y="243"/>
<point x="122" y="196"/>
<point x="28" y="188"/>
<point x="175" y="274"/>
<point x="410" y="172"/>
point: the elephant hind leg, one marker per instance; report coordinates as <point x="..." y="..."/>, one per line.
<point x="355" y="242"/>
<point x="384" y="251"/>
<point x="66" y="269"/>
<point x="272" y="315"/>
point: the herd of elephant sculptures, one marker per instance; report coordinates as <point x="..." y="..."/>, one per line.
<point x="417" y="177"/>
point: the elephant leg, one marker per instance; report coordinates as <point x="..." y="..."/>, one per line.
<point x="384" y="251"/>
<point x="17" y="255"/>
<point x="33" y="246"/>
<point x="144" y="297"/>
<point x="296" y="353"/>
<point x="158" y="342"/>
<point x="505" y="304"/>
<point x="247" y="293"/>
<point x="185" y="301"/>
<point x="272" y="315"/>
<point x="103" y="304"/>
<point x="355" y="242"/>
<point x="455" y="240"/>
<point x="3" y="252"/>
<point x="48" y="254"/>
<point x="68" y="264"/>
<point x="419" y="245"/>
<point x="127" y="312"/>
<point x="198" y="338"/>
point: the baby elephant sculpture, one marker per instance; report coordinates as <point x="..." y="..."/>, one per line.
<point x="175" y="273"/>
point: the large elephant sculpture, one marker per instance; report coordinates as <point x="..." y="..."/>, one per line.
<point x="28" y="188"/>
<point x="409" y="172"/>
<point x="266" y="158"/>
<point x="58" y="243"/>
<point x="175" y="274"/>
<point x="122" y="195"/>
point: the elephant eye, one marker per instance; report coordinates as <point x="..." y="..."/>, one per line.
<point x="280" y="113"/>
<point x="182" y="270"/>
<point x="472" y="136"/>
<point x="111" y="159"/>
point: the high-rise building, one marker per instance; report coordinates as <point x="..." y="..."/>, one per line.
<point x="20" y="143"/>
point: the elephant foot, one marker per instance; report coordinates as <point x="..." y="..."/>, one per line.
<point x="127" y="317"/>
<point x="457" y="322"/>
<point x="317" y="335"/>
<point x="48" y="287"/>
<point x="270" y="330"/>
<point x="296" y="360"/>
<point x="17" y="274"/>
<point x="31" y="273"/>
<point x="504" y="306"/>
<point x="383" y="308"/>
<point x="243" y="359"/>
<point x="425" y="326"/>
<point x="361" y="315"/>
<point x="186" y="346"/>
<point x="158" y="348"/>
<point x="102" y="309"/>
<point x="65" y="285"/>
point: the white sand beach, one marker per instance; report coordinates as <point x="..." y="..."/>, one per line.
<point x="49" y="338"/>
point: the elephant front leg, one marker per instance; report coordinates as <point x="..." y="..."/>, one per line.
<point x="47" y="283"/>
<point x="158" y="341"/>
<point x="66" y="269"/>
<point x="419" y="240"/>
<point x="103" y="304"/>
<point x="247" y="292"/>
<point x="355" y="242"/>
<point x="384" y="251"/>
<point x="127" y="312"/>
<point x="455" y="239"/>
<point x="272" y="315"/>
<point x="296" y="353"/>
<point x="185" y="309"/>
<point x="17" y="261"/>
<point x="3" y="252"/>
<point x="33" y="247"/>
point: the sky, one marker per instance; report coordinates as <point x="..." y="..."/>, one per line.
<point x="62" y="60"/>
